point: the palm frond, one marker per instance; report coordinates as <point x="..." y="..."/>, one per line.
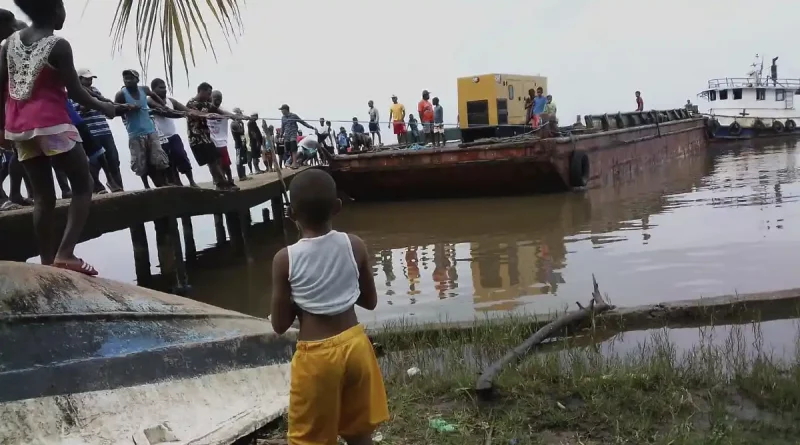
<point x="175" y="21"/>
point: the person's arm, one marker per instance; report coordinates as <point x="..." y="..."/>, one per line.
<point x="389" y="125"/>
<point x="366" y="282"/>
<point x="97" y="95"/>
<point x="159" y="110"/>
<point x="150" y="94"/>
<point x="62" y="60"/>
<point x="303" y="123"/>
<point x="403" y="111"/>
<point x="282" y="311"/>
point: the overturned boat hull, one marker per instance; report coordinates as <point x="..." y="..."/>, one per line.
<point x="92" y="361"/>
<point x="608" y="149"/>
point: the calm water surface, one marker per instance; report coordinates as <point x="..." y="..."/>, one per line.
<point x="725" y="222"/>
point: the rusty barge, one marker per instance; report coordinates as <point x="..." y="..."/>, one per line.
<point x="590" y="155"/>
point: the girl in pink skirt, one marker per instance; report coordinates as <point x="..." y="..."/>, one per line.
<point x="36" y="72"/>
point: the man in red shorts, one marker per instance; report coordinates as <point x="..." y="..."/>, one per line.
<point x="397" y="117"/>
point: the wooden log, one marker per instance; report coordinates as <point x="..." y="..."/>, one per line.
<point x="485" y="386"/>
<point x="181" y="276"/>
<point x="219" y="228"/>
<point x="245" y="221"/>
<point x="188" y="238"/>
<point x="141" y="254"/>
<point x="234" y="223"/>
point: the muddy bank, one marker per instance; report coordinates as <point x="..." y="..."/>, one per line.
<point x="724" y="309"/>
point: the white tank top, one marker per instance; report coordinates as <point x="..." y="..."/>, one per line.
<point x="165" y="125"/>
<point x="323" y="274"/>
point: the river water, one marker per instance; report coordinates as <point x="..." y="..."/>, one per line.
<point x="724" y="222"/>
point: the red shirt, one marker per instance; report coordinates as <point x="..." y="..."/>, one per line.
<point x="425" y="110"/>
<point x="639" y="104"/>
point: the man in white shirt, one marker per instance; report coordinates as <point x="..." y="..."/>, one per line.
<point x="374" y="123"/>
<point x="307" y="149"/>
<point x="219" y="134"/>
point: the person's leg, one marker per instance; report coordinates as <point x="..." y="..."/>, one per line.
<point x="94" y="170"/>
<point x="76" y="166"/>
<point x="315" y="394"/>
<point x="18" y="176"/>
<point x="112" y="156"/>
<point x="363" y="400"/>
<point x="145" y="182"/>
<point x="110" y="181"/>
<point x="380" y="142"/>
<point x="63" y="182"/>
<point x="157" y="161"/>
<point x="40" y="172"/>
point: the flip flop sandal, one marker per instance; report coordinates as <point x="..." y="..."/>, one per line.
<point x="8" y="205"/>
<point x="82" y="267"/>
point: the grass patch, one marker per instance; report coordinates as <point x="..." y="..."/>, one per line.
<point x="728" y="390"/>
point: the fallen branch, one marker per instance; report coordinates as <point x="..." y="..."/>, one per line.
<point x="597" y="305"/>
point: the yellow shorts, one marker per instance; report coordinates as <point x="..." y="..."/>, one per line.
<point x="336" y="390"/>
<point x="47" y="145"/>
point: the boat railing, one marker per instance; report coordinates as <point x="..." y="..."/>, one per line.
<point x="750" y="82"/>
<point x="607" y="122"/>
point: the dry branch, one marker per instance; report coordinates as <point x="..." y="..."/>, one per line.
<point x="597" y="305"/>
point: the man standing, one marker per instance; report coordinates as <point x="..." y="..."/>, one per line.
<point x="550" y="109"/>
<point x="425" y="110"/>
<point x="171" y="141"/>
<point x="219" y="134"/>
<point x="397" y="118"/>
<point x="240" y="144"/>
<point x="203" y="147"/>
<point x="639" y="102"/>
<point x="289" y="123"/>
<point x="374" y="123"/>
<point x="147" y="156"/>
<point x="98" y="125"/>
<point x="324" y="136"/>
<point x="539" y="103"/>
<point x="256" y="142"/>
<point x="438" y="123"/>
<point x="412" y="129"/>
<point x="357" y="128"/>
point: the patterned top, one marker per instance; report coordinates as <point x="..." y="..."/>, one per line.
<point x="95" y="120"/>
<point x="199" y="132"/>
<point x="37" y="98"/>
<point x="289" y="126"/>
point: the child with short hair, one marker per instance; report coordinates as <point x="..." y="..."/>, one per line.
<point x="336" y="388"/>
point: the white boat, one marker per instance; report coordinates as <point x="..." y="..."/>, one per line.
<point x="88" y="361"/>
<point x="752" y="106"/>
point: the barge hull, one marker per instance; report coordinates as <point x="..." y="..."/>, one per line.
<point x="514" y="167"/>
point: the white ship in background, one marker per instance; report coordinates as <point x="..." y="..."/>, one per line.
<point x="753" y="106"/>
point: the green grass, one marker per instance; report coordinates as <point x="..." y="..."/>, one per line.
<point x="729" y="391"/>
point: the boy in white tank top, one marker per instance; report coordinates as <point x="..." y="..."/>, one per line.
<point x="336" y="388"/>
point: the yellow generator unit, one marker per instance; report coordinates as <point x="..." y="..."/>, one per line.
<point x="493" y="105"/>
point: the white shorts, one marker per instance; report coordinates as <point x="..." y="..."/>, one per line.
<point x="438" y="128"/>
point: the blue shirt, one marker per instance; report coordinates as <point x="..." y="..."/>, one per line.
<point x="73" y="113"/>
<point x="138" y="122"/>
<point x="539" y="102"/>
<point x="289" y="126"/>
<point x="357" y="128"/>
<point x="344" y="141"/>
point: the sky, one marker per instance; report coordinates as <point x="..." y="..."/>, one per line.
<point x="327" y="59"/>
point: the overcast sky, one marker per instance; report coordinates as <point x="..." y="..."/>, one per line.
<point x="329" y="58"/>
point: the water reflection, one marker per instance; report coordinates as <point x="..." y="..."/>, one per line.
<point x="695" y="227"/>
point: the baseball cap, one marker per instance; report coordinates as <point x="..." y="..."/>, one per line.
<point x="426" y="92"/>
<point x="86" y="74"/>
<point x="284" y="107"/>
<point x="133" y="73"/>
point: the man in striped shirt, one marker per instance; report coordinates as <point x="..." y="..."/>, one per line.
<point x="98" y="125"/>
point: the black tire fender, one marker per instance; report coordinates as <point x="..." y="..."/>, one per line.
<point x="578" y="169"/>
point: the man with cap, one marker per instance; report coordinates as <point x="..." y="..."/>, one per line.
<point x="425" y="110"/>
<point x="147" y="156"/>
<point x="289" y="123"/>
<point x="98" y="125"/>
<point x="397" y="119"/>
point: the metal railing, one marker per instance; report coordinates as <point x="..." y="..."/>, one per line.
<point x="750" y="82"/>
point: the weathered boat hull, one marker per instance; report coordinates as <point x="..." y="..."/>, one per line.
<point x="516" y="167"/>
<point x="92" y="361"/>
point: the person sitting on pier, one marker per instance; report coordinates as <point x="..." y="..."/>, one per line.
<point x="171" y="141"/>
<point x="336" y="383"/>
<point x="343" y="141"/>
<point x="34" y="116"/>
<point x="361" y="142"/>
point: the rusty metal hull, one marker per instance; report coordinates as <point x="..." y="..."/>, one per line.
<point x="517" y="167"/>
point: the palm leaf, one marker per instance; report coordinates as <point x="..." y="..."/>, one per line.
<point x="174" y="21"/>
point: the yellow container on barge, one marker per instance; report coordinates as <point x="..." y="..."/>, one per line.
<point x="493" y="105"/>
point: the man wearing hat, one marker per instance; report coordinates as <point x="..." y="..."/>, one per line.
<point x="397" y="119"/>
<point x="147" y="156"/>
<point x="98" y="125"/>
<point x="289" y="128"/>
